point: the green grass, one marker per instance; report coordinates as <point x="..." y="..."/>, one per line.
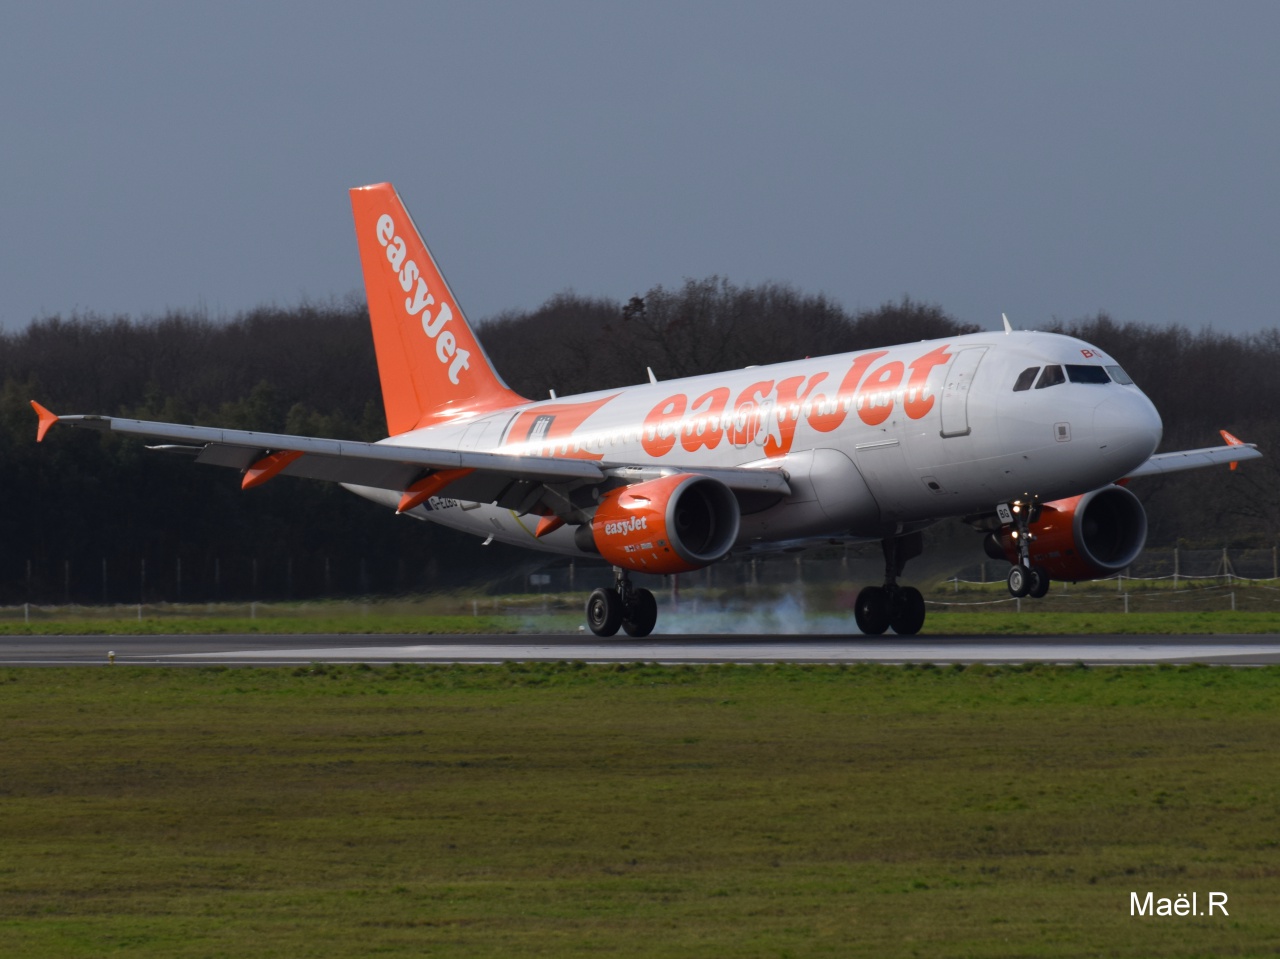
<point x="974" y="611"/>
<point x="204" y="625"/>
<point x="1049" y="623"/>
<point x="571" y="810"/>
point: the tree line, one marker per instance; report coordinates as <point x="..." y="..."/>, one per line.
<point x="95" y="518"/>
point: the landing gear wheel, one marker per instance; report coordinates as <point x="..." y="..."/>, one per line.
<point x="871" y="610"/>
<point x="908" y="611"/>
<point x="1019" y="581"/>
<point x="641" y="614"/>
<point x="1039" y="582"/>
<point x="604" y="612"/>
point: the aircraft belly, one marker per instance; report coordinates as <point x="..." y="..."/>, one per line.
<point x="828" y="495"/>
<point x="478" y="519"/>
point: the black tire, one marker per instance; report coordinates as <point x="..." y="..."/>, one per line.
<point x="871" y="610"/>
<point x="1039" y="582"/>
<point x="908" y="611"/>
<point x="1019" y="581"/>
<point x="642" y="615"/>
<point x="604" y="612"/>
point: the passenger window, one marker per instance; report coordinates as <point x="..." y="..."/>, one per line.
<point x="1025" y="379"/>
<point x="1087" y="374"/>
<point x="1120" y="376"/>
<point x="1051" y="376"/>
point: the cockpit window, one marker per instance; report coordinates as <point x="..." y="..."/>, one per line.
<point x="1025" y="379"/>
<point x="1120" y="376"/>
<point x="1051" y="376"/>
<point x="1080" y="373"/>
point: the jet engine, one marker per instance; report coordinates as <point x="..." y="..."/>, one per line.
<point x="668" y="525"/>
<point x="1085" y="537"/>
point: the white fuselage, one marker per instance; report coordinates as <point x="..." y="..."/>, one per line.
<point x="873" y="443"/>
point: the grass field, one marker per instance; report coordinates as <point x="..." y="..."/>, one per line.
<point x="571" y="810"/>
<point x="973" y="611"/>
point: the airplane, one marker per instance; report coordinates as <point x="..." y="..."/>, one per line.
<point x="1029" y="436"/>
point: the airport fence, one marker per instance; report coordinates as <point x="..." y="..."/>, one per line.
<point x="822" y="581"/>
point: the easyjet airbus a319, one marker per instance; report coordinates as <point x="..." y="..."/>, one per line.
<point x="1028" y="435"/>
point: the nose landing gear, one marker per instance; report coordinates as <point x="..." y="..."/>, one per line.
<point x="1024" y="578"/>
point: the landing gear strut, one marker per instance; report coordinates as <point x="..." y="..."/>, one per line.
<point x="878" y="608"/>
<point x="622" y="605"/>
<point x="1024" y="578"/>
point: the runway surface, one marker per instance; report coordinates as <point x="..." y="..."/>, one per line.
<point x="289" y="650"/>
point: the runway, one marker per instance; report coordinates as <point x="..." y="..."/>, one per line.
<point x="295" y="649"/>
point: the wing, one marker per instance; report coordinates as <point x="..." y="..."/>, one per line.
<point x="1234" y="452"/>
<point x="514" y="482"/>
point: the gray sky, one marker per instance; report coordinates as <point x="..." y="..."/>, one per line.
<point x="1045" y="159"/>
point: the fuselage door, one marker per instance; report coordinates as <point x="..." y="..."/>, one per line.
<point x="955" y="393"/>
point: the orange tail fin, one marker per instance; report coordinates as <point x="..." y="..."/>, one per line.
<point x="431" y="365"/>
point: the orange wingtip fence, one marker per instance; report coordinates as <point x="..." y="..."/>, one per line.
<point x="1231" y="441"/>
<point x="47" y="419"/>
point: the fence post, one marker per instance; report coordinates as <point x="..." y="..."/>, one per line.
<point x="1175" y="567"/>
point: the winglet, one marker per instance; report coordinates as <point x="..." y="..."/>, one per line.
<point x="1231" y="441"/>
<point x="47" y="419"/>
<point x="1007" y="327"/>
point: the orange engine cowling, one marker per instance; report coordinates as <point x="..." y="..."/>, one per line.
<point x="1084" y="537"/>
<point x="669" y="525"/>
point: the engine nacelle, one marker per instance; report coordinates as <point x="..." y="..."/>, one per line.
<point x="669" y="525"/>
<point x="1085" y="537"/>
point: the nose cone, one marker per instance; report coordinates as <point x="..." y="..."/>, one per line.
<point x="1126" y="428"/>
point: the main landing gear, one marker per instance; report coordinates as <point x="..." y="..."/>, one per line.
<point x="622" y="605"/>
<point x="901" y="608"/>
<point x="1024" y="578"/>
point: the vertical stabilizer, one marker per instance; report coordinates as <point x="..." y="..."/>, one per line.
<point x="430" y="363"/>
